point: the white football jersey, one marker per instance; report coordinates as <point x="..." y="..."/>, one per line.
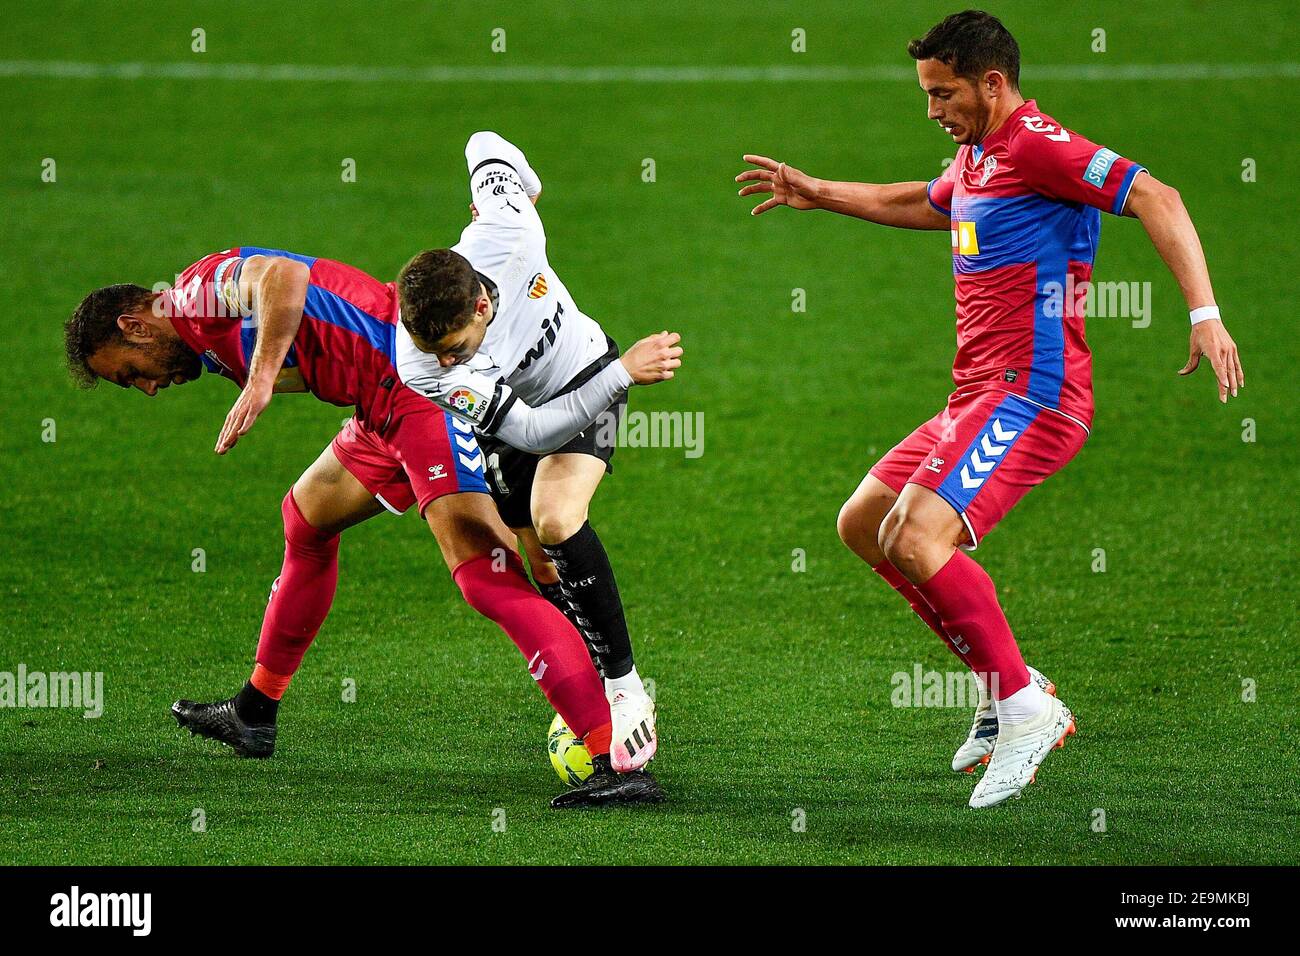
<point x="538" y="339"/>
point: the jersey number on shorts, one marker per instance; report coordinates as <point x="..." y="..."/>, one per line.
<point x="494" y="468"/>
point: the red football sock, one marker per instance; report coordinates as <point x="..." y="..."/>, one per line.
<point x="557" y="657"/>
<point x="300" y="598"/>
<point x="894" y="578"/>
<point x="598" y="740"/>
<point x="967" y="603"/>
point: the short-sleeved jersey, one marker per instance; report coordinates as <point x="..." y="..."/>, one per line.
<point x="1025" y="206"/>
<point x="538" y="340"/>
<point x="343" y="352"/>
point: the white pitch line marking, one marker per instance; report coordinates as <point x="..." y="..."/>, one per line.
<point x="305" y="73"/>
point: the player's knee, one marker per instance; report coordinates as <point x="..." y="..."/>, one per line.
<point x="849" y="525"/>
<point x="859" y="529"/>
<point x="901" y="537"/>
<point x="488" y="583"/>
<point x="299" y="532"/>
<point x="557" y="523"/>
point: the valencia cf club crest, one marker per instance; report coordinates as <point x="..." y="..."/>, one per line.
<point x="990" y="167"/>
<point x="537" y="286"/>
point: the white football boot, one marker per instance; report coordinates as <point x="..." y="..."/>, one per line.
<point x="632" y="714"/>
<point x="1020" y="749"/>
<point x="984" y="729"/>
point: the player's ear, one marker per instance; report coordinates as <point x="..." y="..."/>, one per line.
<point x="134" y="328"/>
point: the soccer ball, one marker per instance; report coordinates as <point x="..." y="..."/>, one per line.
<point x="568" y="754"/>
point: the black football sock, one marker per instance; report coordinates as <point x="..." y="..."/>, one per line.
<point x="554" y="593"/>
<point x="591" y="589"/>
<point x="254" y="707"/>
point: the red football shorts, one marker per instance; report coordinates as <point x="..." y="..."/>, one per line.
<point x="423" y="454"/>
<point x="982" y="453"/>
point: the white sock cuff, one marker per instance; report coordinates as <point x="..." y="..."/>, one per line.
<point x="1025" y="704"/>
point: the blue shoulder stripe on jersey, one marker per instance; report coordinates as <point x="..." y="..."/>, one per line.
<point x="246" y="251"/>
<point x="1120" y="197"/>
<point x="333" y="308"/>
<point x="987" y="450"/>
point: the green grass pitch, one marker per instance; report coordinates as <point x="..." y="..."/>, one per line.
<point x="773" y="684"/>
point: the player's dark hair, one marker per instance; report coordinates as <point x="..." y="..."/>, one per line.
<point x="94" y="325"/>
<point x="437" y="290"/>
<point x="972" y="43"/>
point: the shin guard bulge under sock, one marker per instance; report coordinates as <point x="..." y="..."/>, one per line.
<point x="557" y="658"/>
<point x="590" y="587"/>
<point x="300" y="598"/>
<point x="967" y="604"/>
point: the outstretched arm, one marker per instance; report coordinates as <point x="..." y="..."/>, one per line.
<point x="1165" y="218"/>
<point x="905" y="205"/>
<point x="277" y="290"/>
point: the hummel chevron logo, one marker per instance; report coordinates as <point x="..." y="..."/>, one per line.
<point x="473" y="464"/>
<point x="991" y="452"/>
<point x="460" y="426"/>
<point x="469" y="444"/>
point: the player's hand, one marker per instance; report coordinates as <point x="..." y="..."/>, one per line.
<point x="1211" y="339"/>
<point x="788" y="186"/>
<point x="251" y="402"/>
<point x="653" y="358"/>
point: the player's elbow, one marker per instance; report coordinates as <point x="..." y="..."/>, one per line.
<point x="543" y="445"/>
<point x="483" y="140"/>
<point x="1151" y="196"/>
<point x="1168" y="196"/>
<point x="293" y="271"/>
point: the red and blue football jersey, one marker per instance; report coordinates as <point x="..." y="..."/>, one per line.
<point x="343" y="352"/>
<point x="1025" y="206"/>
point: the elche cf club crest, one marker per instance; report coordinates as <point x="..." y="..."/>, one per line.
<point x="990" y="167"/>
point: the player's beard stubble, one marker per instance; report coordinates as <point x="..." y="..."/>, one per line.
<point x="174" y="358"/>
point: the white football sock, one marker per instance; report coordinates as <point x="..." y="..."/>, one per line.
<point x="1025" y="704"/>
<point x="629" y="683"/>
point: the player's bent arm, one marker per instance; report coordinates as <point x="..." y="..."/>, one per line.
<point x="494" y="409"/>
<point x="1166" y="220"/>
<point x="485" y="146"/>
<point x="546" y="427"/>
<point x="277" y="289"/>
